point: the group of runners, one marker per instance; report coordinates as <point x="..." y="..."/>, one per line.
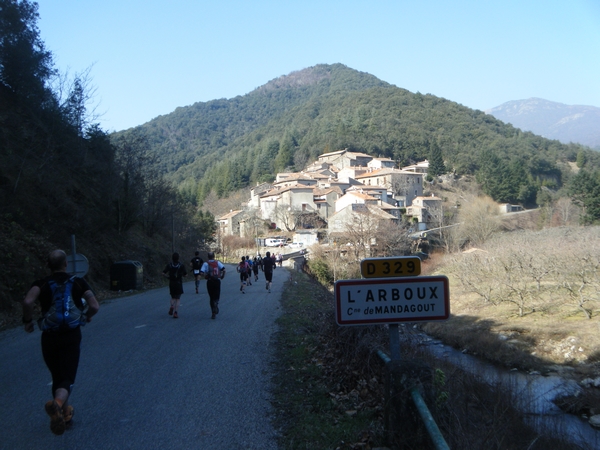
<point x="214" y="271"/>
<point x="66" y="302"/>
<point x="250" y="267"/>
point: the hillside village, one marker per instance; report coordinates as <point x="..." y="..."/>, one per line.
<point x="330" y="193"/>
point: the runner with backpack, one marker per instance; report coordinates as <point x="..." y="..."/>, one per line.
<point x="66" y="303"/>
<point x="242" y="269"/>
<point x="214" y="272"/>
<point x="249" y="262"/>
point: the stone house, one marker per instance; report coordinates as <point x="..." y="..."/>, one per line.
<point x="229" y="224"/>
<point x="381" y="163"/>
<point x="404" y="186"/>
<point x="427" y="210"/>
<point x="349" y="215"/>
<point x="344" y="158"/>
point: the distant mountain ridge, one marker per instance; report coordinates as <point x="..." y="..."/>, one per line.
<point x="552" y="120"/>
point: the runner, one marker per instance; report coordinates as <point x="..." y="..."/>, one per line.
<point x="242" y="269"/>
<point x="255" y="268"/>
<point x="61" y="338"/>
<point x="175" y="271"/>
<point x="214" y="271"/>
<point x="249" y="262"/>
<point x="268" y="266"/>
<point x="196" y="264"/>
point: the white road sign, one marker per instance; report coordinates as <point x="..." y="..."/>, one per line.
<point x="77" y="266"/>
<point x="386" y="300"/>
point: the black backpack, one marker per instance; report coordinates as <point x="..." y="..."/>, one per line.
<point x="63" y="313"/>
<point x="175" y="272"/>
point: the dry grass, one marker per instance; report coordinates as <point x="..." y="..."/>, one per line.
<point x="527" y="299"/>
<point x="329" y="388"/>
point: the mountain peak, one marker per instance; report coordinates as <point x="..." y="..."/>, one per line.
<point x="552" y="120"/>
<point x="330" y="73"/>
<point x="304" y="77"/>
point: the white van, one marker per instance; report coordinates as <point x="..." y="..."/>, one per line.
<point x="274" y="242"/>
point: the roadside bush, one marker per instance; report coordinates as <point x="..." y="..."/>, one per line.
<point x="320" y="270"/>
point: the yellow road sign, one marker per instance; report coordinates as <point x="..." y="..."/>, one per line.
<point x="395" y="266"/>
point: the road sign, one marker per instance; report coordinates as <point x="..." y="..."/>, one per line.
<point x="77" y="266"/>
<point x="396" y="266"/>
<point x="386" y="300"/>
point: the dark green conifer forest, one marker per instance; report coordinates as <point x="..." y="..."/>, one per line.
<point x="61" y="175"/>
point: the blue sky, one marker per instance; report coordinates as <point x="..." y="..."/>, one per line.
<point x="148" y="57"/>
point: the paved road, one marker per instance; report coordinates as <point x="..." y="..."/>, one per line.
<point x="148" y="381"/>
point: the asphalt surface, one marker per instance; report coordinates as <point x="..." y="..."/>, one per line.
<point x="149" y="381"/>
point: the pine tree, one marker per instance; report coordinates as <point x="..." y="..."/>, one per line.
<point x="436" y="160"/>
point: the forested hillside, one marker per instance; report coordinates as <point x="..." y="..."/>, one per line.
<point x="61" y="175"/>
<point x="224" y="145"/>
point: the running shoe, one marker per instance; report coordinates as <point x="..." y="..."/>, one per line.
<point x="68" y="414"/>
<point x="213" y="317"/>
<point x="171" y="311"/>
<point x="57" y="421"/>
<point x="175" y="316"/>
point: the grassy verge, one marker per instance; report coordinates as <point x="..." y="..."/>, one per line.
<point x="329" y="390"/>
<point x="324" y="399"/>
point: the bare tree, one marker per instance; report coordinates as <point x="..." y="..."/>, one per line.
<point x="566" y="211"/>
<point x="285" y="218"/>
<point x="361" y="231"/>
<point x="479" y="220"/>
<point x="478" y="274"/>
<point x="392" y="238"/>
<point x="582" y="282"/>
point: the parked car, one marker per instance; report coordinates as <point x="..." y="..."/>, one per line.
<point x="296" y="245"/>
<point x="274" y="242"/>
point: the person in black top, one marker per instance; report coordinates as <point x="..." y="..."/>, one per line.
<point x="255" y="268"/>
<point x="60" y="343"/>
<point x="196" y="264"/>
<point x="175" y="271"/>
<point x="268" y="266"/>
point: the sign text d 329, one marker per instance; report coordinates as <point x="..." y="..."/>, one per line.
<point x="395" y="266"/>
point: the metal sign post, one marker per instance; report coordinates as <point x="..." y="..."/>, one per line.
<point x="77" y="264"/>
